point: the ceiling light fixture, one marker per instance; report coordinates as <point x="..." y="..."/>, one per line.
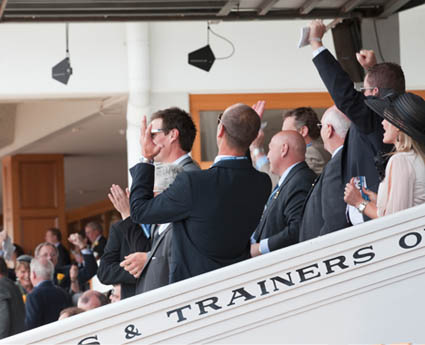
<point x="63" y="70"/>
<point x="204" y="57"/>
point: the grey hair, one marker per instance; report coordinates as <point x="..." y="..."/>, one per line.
<point x="165" y="174"/>
<point x="338" y="121"/>
<point x="44" y="244"/>
<point x="43" y="268"/>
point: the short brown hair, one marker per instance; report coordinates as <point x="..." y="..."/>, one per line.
<point x="71" y="311"/>
<point x="387" y="75"/>
<point x="241" y="124"/>
<point x="305" y="116"/>
<point x="56" y="232"/>
<point x="179" y="119"/>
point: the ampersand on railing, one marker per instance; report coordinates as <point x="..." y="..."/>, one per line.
<point x="131" y="332"/>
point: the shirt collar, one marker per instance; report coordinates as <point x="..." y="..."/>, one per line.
<point x="286" y="173"/>
<point x="181" y="158"/>
<point x="337" y="150"/>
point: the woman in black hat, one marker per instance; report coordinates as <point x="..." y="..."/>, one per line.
<point x="404" y="183"/>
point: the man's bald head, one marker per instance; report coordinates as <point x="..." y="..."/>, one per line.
<point x="92" y="299"/>
<point x="241" y="124"/>
<point x="285" y="149"/>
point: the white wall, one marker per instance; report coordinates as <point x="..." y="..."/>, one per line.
<point x="412" y="46"/>
<point x="266" y="58"/>
<point x="29" y="51"/>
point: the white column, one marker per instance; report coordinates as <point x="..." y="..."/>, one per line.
<point x="138" y="85"/>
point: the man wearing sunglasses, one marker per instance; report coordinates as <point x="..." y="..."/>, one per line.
<point x="174" y="131"/>
<point x="214" y="211"/>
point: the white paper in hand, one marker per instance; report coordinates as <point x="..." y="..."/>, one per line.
<point x="305" y="33"/>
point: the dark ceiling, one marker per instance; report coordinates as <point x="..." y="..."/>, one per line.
<point x="230" y="10"/>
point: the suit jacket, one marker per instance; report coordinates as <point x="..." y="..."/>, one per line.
<point x="110" y="271"/>
<point x="156" y="272"/>
<point x="281" y="219"/>
<point x="324" y="210"/>
<point x="85" y="273"/>
<point x="99" y="247"/>
<point x="44" y="303"/>
<point x="64" y="258"/>
<point x="316" y="156"/>
<point x="189" y="164"/>
<point x="214" y="212"/>
<point x="12" y="309"/>
<point x="364" y="139"/>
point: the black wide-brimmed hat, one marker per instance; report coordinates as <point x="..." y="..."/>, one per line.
<point x="405" y="111"/>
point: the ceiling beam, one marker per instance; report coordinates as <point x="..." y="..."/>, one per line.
<point x="2" y="8"/>
<point x="265" y="7"/>
<point x="392" y="7"/>
<point x="227" y="8"/>
<point x="351" y="5"/>
<point x="308" y="6"/>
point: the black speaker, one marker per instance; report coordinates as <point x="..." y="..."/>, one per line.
<point x="348" y="41"/>
<point x="62" y="71"/>
<point x="202" y="58"/>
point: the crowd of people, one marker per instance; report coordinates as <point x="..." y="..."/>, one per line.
<point x="365" y="158"/>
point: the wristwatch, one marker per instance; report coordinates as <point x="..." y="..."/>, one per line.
<point x="145" y="160"/>
<point x="361" y="207"/>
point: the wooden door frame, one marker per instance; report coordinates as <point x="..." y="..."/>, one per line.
<point x="208" y="102"/>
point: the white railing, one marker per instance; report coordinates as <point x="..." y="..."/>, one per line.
<point x="360" y="285"/>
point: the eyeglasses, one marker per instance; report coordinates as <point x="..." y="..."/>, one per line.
<point x="154" y="132"/>
<point x="319" y="125"/>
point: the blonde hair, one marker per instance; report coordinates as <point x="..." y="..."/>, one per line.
<point x="405" y="143"/>
<point x="19" y="264"/>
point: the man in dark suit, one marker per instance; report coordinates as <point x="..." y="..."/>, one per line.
<point x="93" y="231"/>
<point x="54" y="236"/>
<point x="45" y="302"/>
<point x="12" y="309"/>
<point x="174" y="129"/>
<point x="324" y="210"/>
<point x="279" y="225"/>
<point x="364" y="140"/>
<point x="214" y="212"/>
<point x="153" y="268"/>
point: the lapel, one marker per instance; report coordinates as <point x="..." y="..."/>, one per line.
<point x="156" y="245"/>
<point x="272" y="203"/>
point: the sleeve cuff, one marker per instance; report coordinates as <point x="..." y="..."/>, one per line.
<point x="318" y="51"/>
<point x="264" y="246"/>
<point x="86" y="251"/>
<point x="259" y="163"/>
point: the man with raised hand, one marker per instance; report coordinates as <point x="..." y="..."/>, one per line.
<point x="364" y="139"/>
<point x="215" y="211"/>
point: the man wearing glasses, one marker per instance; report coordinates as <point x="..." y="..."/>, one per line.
<point x="214" y="211"/>
<point x="174" y="131"/>
<point x="364" y="139"/>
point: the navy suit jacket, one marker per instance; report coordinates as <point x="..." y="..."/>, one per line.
<point x="44" y="304"/>
<point x="364" y="139"/>
<point x="109" y="271"/>
<point x="324" y="209"/>
<point x="281" y="219"/>
<point x="214" y="212"/>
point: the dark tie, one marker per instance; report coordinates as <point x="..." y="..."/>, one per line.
<point x="257" y="233"/>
